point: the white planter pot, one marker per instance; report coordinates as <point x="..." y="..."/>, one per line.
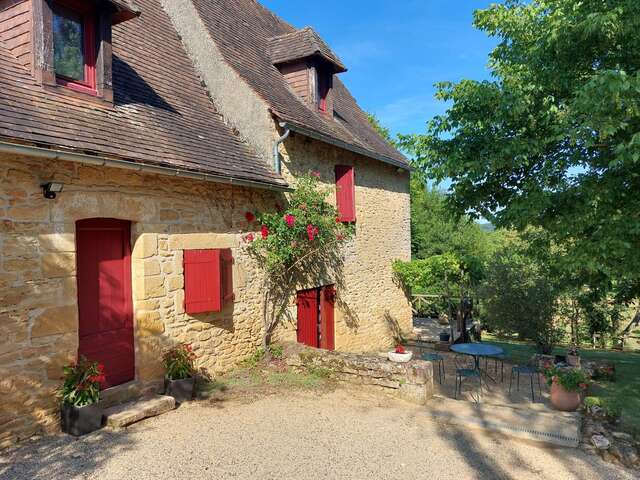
<point x="400" y="357"/>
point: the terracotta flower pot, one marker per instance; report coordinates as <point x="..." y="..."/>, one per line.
<point x="563" y="400"/>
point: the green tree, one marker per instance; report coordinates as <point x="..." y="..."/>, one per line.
<point x="520" y="298"/>
<point x="553" y="139"/>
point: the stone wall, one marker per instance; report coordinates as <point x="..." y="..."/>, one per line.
<point x="38" y="292"/>
<point x="412" y="381"/>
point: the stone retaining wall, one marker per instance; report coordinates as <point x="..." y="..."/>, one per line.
<point x="412" y="381"/>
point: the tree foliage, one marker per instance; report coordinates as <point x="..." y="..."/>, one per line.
<point x="519" y="297"/>
<point x="553" y="139"/>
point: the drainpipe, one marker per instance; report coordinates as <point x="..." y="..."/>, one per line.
<point x="276" y="148"/>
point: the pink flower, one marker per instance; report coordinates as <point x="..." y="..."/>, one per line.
<point x="312" y="232"/>
<point x="250" y="217"/>
<point x="290" y="219"/>
<point x="264" y="231"/>
<point x="249" y="238"/>
<point x="315" y="174"/>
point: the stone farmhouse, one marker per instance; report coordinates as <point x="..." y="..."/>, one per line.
<point x="133" y="133"/>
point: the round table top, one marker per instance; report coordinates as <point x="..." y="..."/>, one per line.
<point x="477" y="349"/>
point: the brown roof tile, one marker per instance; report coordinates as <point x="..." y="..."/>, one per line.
<point x="242" y="30"/>
<point x="301" y="44"/>
<point x="161" y="115"/>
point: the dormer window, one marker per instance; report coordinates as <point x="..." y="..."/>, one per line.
<point x="74" y="46"/>
<point x="308" y="65"/>
<point x="71" y="44"/>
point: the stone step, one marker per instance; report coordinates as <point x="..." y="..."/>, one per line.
<point x="537" y="424"/>
<point x="120" y="416"/>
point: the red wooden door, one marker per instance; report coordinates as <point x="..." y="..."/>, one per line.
<point x="327" y="331"/>
<point x="104" y="296"/>
<point x="308" y="317"/>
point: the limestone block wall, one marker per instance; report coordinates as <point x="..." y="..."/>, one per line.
<point x="371" y="306"/>
<point x="38" y="291"/>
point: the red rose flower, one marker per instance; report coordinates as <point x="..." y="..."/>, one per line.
<point x="101" y="368"/>
<point x="264" y="231"/>
<point x="250" y="217"/>
<point x="290" y="219"/>
<point x="249" y="238"/>
<point x="312" y="232"/>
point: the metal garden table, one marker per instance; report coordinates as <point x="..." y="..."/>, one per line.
<point x="477" y="350"/>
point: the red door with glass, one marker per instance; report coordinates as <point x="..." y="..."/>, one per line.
<point x="316" y="317"/>
<point x="104" y="296"/>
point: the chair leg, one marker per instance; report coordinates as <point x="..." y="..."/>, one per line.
<point x="518" y="384"/>
<point x="533" y="398"/>
<point x="510" y="381"/>
<point x="539" y="383"/>
<point x="444" y="372"/>
<point x="501" y="371"/>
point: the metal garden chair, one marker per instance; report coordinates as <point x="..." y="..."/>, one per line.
<point x="437" y="359"/>
<point x="530" y="370"/>
<point x="465" y="369"/>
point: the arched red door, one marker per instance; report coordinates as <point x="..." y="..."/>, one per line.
<point x="103" y="249"/>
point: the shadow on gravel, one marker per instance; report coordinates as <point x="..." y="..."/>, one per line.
<point x="62" y="456"/>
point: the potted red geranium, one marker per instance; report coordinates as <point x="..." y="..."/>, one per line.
<point x="566" y="386"/>
<point x="180" y="382"/>
<point x="400" y="355"/>
<point x="80" y="412"/>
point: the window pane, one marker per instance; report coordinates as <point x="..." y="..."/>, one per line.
<point x="68" y="51"/>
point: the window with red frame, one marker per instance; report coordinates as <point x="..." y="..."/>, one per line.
<point x="74" y="45"/>
<point x="346" y="193"/>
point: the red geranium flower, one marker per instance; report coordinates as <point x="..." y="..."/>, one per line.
<point x="583" y="386"/>
<point x="290" y="219"/>
<point x="101" y="368"/>
<point x="249" y="238"/>
<point x="400" y="349"/>
<point x="264" y="231"/>
<point x="250" y="217"/>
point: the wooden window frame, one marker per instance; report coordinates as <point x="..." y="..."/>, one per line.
<point x="43" y="55"/>
<point x="89" y="22"/>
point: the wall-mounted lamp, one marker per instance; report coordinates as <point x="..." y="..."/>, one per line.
<point x="51" y="189"/>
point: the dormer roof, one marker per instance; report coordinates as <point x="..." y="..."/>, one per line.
<point x="299" y="45"/>
<point x="125" y="10"/>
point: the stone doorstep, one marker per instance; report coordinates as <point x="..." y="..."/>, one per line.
<point x="119" y="416"/>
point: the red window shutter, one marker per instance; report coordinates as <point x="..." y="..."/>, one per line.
<point x="345" y="193"/>
<point x="202" y="281"/>
<point x="227" y="275"/>
<point x="327" y="306"/>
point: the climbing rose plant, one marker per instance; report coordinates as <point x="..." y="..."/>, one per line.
<point x="309" y="225"/>
<point x="291" y="241"/>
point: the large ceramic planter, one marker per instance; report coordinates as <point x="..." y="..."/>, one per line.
<point x="563" y="400"/>
<point x="182" y="390"/>
<point x="80" y="420"/>
<point x="400" y="357"/>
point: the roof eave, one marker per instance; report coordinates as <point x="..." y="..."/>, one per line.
<point x="56" y="153"/>
<point x="344" y="145"/>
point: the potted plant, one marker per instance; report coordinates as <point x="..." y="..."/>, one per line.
<point x="566" y="387"/>
<point x="573" y="357"/>
<point x="179" y="381"/>
<point x="80" y="412"/>
<point x="445" y="336"/>
<point x="400" y="355"/>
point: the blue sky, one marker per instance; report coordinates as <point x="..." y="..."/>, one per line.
<point x="397" y="50"/>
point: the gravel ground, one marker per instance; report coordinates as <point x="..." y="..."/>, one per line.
<point x="342" y="434"/>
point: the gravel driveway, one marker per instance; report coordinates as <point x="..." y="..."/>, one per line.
<point x="338" y="435"/>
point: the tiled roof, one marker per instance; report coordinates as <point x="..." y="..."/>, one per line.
<point x="242" y="30"/>
<point x="161" y="115"/>
<point x="301" y="44"/>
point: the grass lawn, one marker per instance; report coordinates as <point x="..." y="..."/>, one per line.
<point x="624" y="392"/>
